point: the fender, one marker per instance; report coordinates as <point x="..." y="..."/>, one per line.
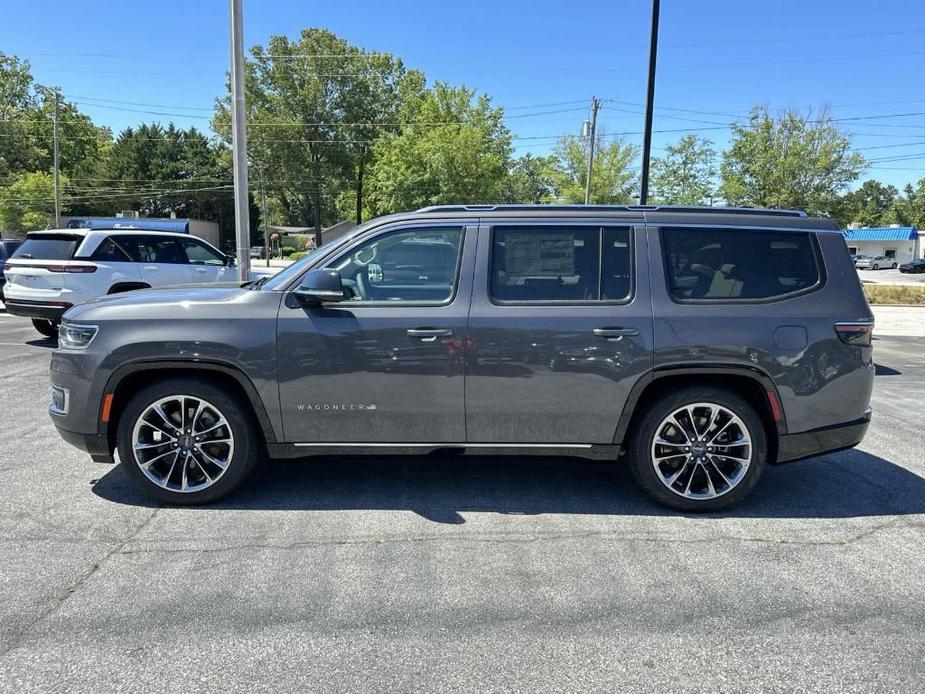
<point x="133" y="367"/>
<point x="757" y="375"/>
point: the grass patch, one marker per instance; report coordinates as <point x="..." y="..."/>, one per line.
<point x="894" y="294"/>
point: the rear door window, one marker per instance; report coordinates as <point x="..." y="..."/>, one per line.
<point x="49" y="247"/>
<point x="738" y="264"/>
<point x="154" y="249"/>
<point x="110" y="250"/>
<point x="560" y="264"/>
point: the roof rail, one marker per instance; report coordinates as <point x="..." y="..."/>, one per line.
<point x="614" y="208"/>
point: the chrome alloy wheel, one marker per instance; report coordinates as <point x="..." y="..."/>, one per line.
<point x="182" y="443"/>
<point x="701" y="451"/>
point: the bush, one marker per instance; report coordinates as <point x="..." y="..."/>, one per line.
<point x="894" y="294"/>
<point x="297" y="255"/>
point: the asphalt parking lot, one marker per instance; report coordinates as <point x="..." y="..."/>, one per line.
<point x="889" y="276"/>
<point x="461" y="574"/>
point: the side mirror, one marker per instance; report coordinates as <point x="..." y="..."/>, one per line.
<point x="320" y="286"/>
<point x="229" y="260"/>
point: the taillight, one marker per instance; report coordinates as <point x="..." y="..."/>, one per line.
<point x="70" y="268"/>
<point x="857" y="333"/>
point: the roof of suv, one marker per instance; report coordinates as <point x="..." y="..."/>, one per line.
<point x="653" y="214"/>
<point x="83" y="231"/>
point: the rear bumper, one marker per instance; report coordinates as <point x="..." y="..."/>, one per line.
<point x="36" y="309"/>
<point x="793" y="447"/>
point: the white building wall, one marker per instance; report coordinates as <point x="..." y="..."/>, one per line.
<point x="904" y="250"/>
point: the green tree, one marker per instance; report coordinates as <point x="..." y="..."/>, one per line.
<point x="869" y="205"/>
<point x="315" y="105"/>
<point x="28" y="203"/>
<point x="908" y="209"/>
<point x="452" y="147"/>
<point x="791" y="161"/>
<point x="613" y="180"/>
<point x="532" y="180"/>
<point x="26" y="128"/>
<point x="686" y="174"/>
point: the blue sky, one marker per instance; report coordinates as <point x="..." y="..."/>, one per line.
<point x="124" y="62"/>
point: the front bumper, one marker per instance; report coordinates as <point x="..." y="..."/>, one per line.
<point x="96" y="445"/>
<point x="37" y="309"/>
<point x="793" y="447"/>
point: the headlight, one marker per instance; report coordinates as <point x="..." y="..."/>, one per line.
<point x="73" y="336"/>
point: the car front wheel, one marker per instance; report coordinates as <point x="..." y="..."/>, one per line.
<point x="893" y="266"/>
<point x="699" y="449"/>
<point x="46" y="327"/>
<point x="187" y="441"/>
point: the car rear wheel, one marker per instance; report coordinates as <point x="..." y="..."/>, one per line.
<point x="699" y="449"/>
<point x="893" y="266"/>
<point x="187" y="441"/>
<point x="46" y="327"/>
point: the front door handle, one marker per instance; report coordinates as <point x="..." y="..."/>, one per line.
<point x="616" y="332"/>
<point x="428" y="334"/>
<point x="150" y="268"/>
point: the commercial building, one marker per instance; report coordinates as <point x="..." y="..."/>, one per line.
<point x="207" y="231"/>
<point x="898" y="242"/>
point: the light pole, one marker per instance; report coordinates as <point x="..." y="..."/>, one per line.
<point x="650" y="101"/>
<point x="239" y="143"/>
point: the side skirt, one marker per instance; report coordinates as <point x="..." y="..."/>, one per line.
<point x="581" y="450"/>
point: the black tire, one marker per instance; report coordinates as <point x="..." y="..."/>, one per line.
<point x="640" y="448"/>
<point x="893" y="266"/>
<point x="46" y="327"/>
<point x="247" y="445"/>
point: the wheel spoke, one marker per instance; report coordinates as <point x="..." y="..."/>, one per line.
<point x="203" y="467"/>
<point x="709" y="479"/>
<point x="690" y="416"/>
<point x="215" y="461"/>
<point x="671" y="480"/>
<point x="184" y="467"/>
<point x="720" y="472"/>
<point x="148" y="463"/>
<point x="145" y="446"/>
<point x="677" y="424"/>
<point x="212" y="428"/>
<point x="170" y="471"/>
<point x="663" y="442"/>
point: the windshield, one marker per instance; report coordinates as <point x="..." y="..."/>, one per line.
<point x="48" y="247"/>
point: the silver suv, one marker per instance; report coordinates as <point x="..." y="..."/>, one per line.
<point x="697" y="344"/>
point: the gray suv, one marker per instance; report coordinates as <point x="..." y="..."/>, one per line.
<point x="700" y="344"/>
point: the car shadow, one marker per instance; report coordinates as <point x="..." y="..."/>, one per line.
<point x="440" y="487"/>
<point x="881" y="370"/>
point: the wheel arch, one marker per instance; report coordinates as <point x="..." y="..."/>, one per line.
<point x="128" y="378"/>
<point x="754" y="386"/>
<point x="120" y="287"/>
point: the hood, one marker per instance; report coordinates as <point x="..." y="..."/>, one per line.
<point x="161" y="302"/>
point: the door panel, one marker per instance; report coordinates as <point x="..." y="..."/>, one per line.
<point x="161" y="260"/>
<point x="555" y="372"/>
<point x="378" y="371"/>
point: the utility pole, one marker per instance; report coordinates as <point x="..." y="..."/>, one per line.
<point x="57" y="164"/>
<point x="239" y="143"/>
<point x="595" y="105"/>
<point x="650" y="102"/>
<point x="266" y="221"/>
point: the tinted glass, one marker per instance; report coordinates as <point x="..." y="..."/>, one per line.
<point x="561" y="264"/>
<point x="723" y="264"/>
<point x="616" y="273"/>
<point x="151" y="249"/>
<point x="111" y="251"/>
<point x="199" y="254"/>
<point x="412" y="265"/>
<point x="49" y="247"/>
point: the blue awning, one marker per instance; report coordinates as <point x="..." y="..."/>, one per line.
<point x="881" y="234"/>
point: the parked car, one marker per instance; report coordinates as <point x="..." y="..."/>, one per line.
<point x="54" y="270"/>
<point x="699" y="345"/>
<point x="256" y="252"/>
<point x="866" y="262"/>
<point x="913" y="266"/>
<point x="7" y="248"/>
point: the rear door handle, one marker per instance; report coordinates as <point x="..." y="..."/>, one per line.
<point x="201" y="269"/>
<point x="428" y="334"/>
<point x="616" y="332"/>
<point x="149" y="267"/>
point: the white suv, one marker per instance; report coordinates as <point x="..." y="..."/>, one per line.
<point x="54" y="270"/>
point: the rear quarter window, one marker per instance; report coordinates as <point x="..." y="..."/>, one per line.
<point x="738" y="264"/>
<point x="49" y="247"/>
